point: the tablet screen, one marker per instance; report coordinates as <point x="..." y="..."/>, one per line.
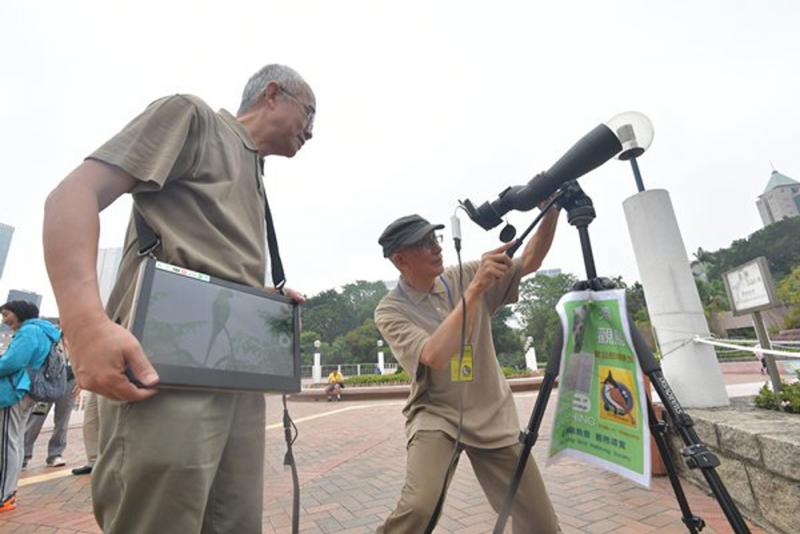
<point x="191" y="321"/>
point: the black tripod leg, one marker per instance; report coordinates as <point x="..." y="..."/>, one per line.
<point x="658" y="430"/>
<point x="696" y="454"/>
<point x="529" y="436"/>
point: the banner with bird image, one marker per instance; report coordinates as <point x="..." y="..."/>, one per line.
<point x="601" y="414"/>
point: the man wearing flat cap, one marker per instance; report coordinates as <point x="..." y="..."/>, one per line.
<point x="421" y="318"/>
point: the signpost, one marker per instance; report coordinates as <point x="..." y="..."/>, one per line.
<point x="751" y="290"/>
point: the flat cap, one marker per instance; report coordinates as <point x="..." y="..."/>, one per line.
<point x="405" y="231"/>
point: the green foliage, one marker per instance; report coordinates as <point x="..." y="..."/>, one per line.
<point x="332" y="314"/>
<point x="366" y="380"/>
<point x="512" y="372"/>
<point x="327" y="315"/>
<point x="343" y="322"/>
<point x="788" y="398"/>
<point x="788" y="291"/>
<point x="636" y="303"/>
<point x="507" y="341"/>
<point x="536" y="308"/>
<point x="360" y="343"/>
<point x="778" y="242"/>
<point x="712" y="295"/>
<point x="307" y="349"/>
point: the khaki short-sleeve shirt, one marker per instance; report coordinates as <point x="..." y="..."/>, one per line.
<point x="199" y="187"/>
<point x="406" y="318"/>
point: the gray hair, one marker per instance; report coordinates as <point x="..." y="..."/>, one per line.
<point x="284" y="76"/>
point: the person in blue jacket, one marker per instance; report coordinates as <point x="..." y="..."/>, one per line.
<point x="29" y="347"/>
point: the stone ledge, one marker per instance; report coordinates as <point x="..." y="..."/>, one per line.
<point x="759" y="451"/>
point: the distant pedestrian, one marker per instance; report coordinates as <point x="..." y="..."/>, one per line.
<point x="761" y="358"/>
<point x="335" y="385"/>
<point x="33" y="338"/>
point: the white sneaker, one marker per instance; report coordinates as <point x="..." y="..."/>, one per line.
<point x="56" y="461"/>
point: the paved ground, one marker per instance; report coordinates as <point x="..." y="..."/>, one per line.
<point x="352" y="460"/>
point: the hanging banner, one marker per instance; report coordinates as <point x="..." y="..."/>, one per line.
<point x="601" y="415"/>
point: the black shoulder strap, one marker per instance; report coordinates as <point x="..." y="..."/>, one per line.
<point x="278" y="278"/>
<point x="148" y="239"/>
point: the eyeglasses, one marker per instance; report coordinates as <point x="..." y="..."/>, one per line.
<point x="309" y="110"/>
<point x="430" y="241"/>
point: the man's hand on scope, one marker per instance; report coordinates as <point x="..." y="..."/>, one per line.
<point x="101" y="351"/>
<point x="494" y="265"/>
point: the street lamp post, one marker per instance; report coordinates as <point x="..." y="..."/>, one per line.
<point x="380" y="356"/>
<point x="672" y="299"/>
<point x="635" y="132"/>
<point x="316" y="369"/>
<point x="530" y="355"/>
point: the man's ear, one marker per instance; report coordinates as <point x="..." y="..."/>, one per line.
<point x="270" y="94"/>
<point x="398" y="260"/>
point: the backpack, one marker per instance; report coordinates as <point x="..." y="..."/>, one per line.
<point x="49" y="382"/>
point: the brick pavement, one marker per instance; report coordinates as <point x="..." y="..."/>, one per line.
<point x="351" y="459"/>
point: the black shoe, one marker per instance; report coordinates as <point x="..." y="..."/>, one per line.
<point x="83" y="470"/>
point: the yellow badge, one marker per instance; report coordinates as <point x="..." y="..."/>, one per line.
<point x="465" y="373"/>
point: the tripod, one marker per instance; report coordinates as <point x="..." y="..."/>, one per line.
<point x="580" y="213"/>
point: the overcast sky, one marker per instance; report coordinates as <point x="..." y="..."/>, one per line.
<point x="419" y="104"/>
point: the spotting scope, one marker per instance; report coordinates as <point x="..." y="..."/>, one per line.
<point x="627" y="134"/>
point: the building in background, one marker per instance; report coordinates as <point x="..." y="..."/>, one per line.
<point x="29" y="296"/>
<point x="6" y="232"/>
<point x="108" y="260"/>
<point x="780" y="199"/>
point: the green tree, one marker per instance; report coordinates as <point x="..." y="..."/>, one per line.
<point x="507" y="341"/>
<point x="536" y="309"/>
<point x="636" y="303"/>
<point x="361" y="343"/>
<point x="777" y="242"/>
<point x="712" y="295"/>
<point x="307" y="348"/>
<point x="333" y="314"/>
<point x="327" y="314"/>
<point x="788" y="291"/>
<point x="363" y="297"/>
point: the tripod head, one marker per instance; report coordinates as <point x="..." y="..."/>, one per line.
<point x="580" y="214"/>
<point x="577" y="204"/>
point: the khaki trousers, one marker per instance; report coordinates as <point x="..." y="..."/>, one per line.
<point x="429" y="453"/>
<point x="183" y="462"/>
<point x="91" y="428"/>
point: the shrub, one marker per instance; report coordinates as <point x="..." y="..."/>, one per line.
<point x="788" y="399"/>
<point x="511" y="372"/>
<point x="367" y="380"/>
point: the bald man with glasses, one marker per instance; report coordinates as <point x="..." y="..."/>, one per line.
<point x="421" y="319"/>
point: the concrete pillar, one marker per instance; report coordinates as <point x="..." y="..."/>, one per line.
<point x="672" y="301"/>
